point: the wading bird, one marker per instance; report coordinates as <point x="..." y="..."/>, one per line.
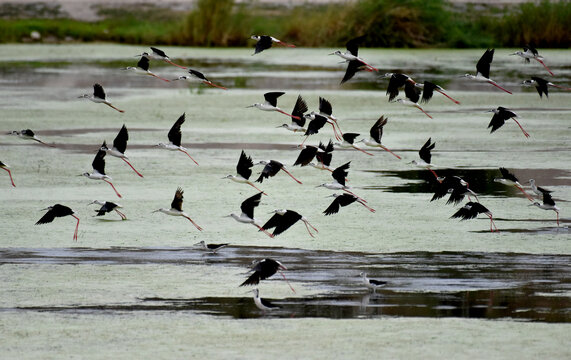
<point x="213" y="248"/>
<point x="538" y="190"/>
<point x="342" y="200"/>
<point x="352" y="52"/>
<point x="324" y="156"/>
<point x="412" y="94"/>
<point x="372" y="284"/>
<point x="425" y="157"/>
<point x="456" y="187"/>
<point x="532" y="53"/>
<point x="353" y="67"/>
<point x="376" y="133"/>
<point x="158" y="54"/>
<point x="271" y="103"/>
<point x="7" y="168"/>
<point x="325" y="109"/>
<point x="198" y="77"/>
<point x="349" y="142"/>
<point x="548" y="204"/>
<point x="471" y="210"/>
<point x="99" y="97"/>
<point x="119" y="147"/>
<point x="305" y="156"/>
<point x="428" y="89"/>
<point x="28" y="134"/>
<point x="271" y="168"/>
<point x="298" y="118"/>
<point x="98" y="173"/>
<point x="142" y="68"/>
<point x="283" y="219"/>
<point x="55" y="211"/>
<point x="264" y="269"/>
<point x="339" y="176"/>
<point x="247" y="215"/>
<point x="244" y="171"/>
<point x="175" y="137"/>
<point x="107" y="207"/>
<point x="510" y="179"/>
<point x="483" y="70"/>
<point x="176" y="208"/>
<point x="265" y="42"/>
<point x="501" y="114"/>
<point x="316" y="123"/>
<point x="397" y="81"/>
<point x="263" y="304"/>
<point x="542" y="85"/>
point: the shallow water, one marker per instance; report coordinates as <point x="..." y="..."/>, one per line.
<point x="146" y="271"/>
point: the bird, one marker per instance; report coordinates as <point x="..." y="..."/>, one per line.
<point x="372" y="284"/>
<point x="263" y="304"/>
<point x="247" y="215"/>
<point x="428" y="89"/>
<point x="542" y="85"/>
<point x="142" y="68"/>
<point x="342" y="200"/>
<point x="548" y="204"/>
<point x="175" y="137"/>
<point x="530" y="52"/>
<point x="197" y="76"/>
<point x="271" y="168"/>
<point x="271" y="103"/>
<point x="58" y="210"/>
<point x="213" y="248"/>
<point x="28" y="134"/>
<point x="339" y="180"/>
<point x="352" y="52"/>
<point x="501" y="114"/>
<point x="119" y="147"/>
<point x="158" y="54"/>
<point x="99" y="97"/>
<point x="265" y="42"/>
<point x="244" y="171"/>
<point x="316" y="123"/>
<point x="306" y="154"/>
<point x="325" y="109"/>
<point x="457" y="187"/>
<point x="349" y="142"/>
<point x="264" y="269"/>
<point x="538" y="190"/>
<point x="376" y="133"/>
<point x="297" y="120"/>
<point x="353" y="67"/>
<point x="283" y="219"/>
<point x="412" y="94"/>
<point x="98" y="173"/>
<point x="510" y="179"/>
<point x="483" y="70"/>
<point x="324" y="156"/>
<point x="107" y="207"/>
<point x="425" y="157"/>
<point x="176" y="208"/>
<point x="471" y="210"/>
<point x="7" y="168"/>
<point x="396" y="81"/>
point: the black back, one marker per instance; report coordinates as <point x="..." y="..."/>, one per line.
<point x="143" y="63"/>
<point x="376" y="131"/>
<point x="249" y="204"/>
<point x="483" y="65"/>
<point x="353" y="45"/>
<point x="107" y="207"/>
<point x="174" y="134"/>
<point x="198" y="74"/>
<point x="325" y="106"/>
<point x="341" y="200"/>
<point x="262" y="270"/>
<point x="316" y="124"/>
<point x="282" y="222"/>
<point x="411" y="92"/>
<point x="98" y="91"/>
<point x="159" y="52"/>
<point x="541" y="86"/>
<point x="272" y="97"/>
<point x="299" y="109"/>
<point x="428" y="91"/>
<point x="340" y="173"/>
<point x="306" y="155"/>
<point x="395" y="83"/>
<point x="424" y="152"/>
<point x="55" y="211"/>
<point x="353" y="67"/>
<point x="98" y="163"/>
<point x="177" y="200"/>
<point x="120" y="142"/>
<point x="264" y="43"/>
<point x="244" y="166"/>
<point x="470" y="211"/>
<point x="270" y="170"/>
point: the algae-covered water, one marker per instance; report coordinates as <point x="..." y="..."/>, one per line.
<point x="141" y="288"/>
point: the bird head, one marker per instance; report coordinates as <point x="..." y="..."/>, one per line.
<point x="104" y="146"/>
<point x="48" y="208"/>
<point x="282" y="126"/>
<point x="256" y="105"/>
<point x="535" y="204"/>
<point x="528" y="82"/>
<point x="96" y="202"/>
<point x="86" y="174"/>
<point x="228" y="177"/>
<point x="13" y="133"/>
<point x="363" y="274"/>
<point x="337" y="52"/>
<point x="278" y="211"/>
<point x="200" y="243"/>
<point x="469" y="76"/>
<point x="183" y="77"/>
<point x="255" y="37"/>
<point x="84" y="96"/>
<point x="517" y="53"/>
<point x="262" y="162"/>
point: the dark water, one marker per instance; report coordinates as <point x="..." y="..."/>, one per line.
<point x="420" y="284"/>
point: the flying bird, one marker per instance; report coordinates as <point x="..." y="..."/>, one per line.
<point x="501" y="114"/>
<point x="426" y="157"/>
<point x="428" y="89"/>
<point x="542" y="85"/>
<point x="396" y="82"/>
<point x="530" y="52"/>
<point x="376" y="133"/>
<point x="58" y="210"/>
<point x="298" y="118"/>
<point x="548" y="204"/>
<point x="263" y="269"/>
<point x="175" y="137"/>
<point x="213" y="248"/>
<point x="412" y="94"/>
<point x="244" y="171"/>
<point x="471" y="210"/>
<point x="28" y="134"/>
<point x="271" y="168"/>
<point x="158" y="54"/>
<point x="142" y="68"/>
<point x="483" y="70"/>
<point x="352" y="52"/>
<point x="283" y="219"/>
<point x="510" y="179"/>
<point x="538" y="190"/>
<point x="325" y="109"/>
<point x="99" y="97"/>
<point x="349" y="142"/>
<point x="119" y="147"/>
<point x="271" y="103"/>
<point x="344" y="200"/>
<point x="457" y="187"/>
<point x="247" y="215"/>
<point x="98" y="173"/>
<point x="317" y="122"/>
<point x="265" y="42"/>
<point x="176" y="208"/>
<point x="107" y="207"/>
<point x="197" y="76"/>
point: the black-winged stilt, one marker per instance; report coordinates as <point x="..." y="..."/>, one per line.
<point x="342" y="200"/>
<point x="428" y="89"/>
<point x="306" y="155"/>
<point x="119" y="147"/>
<point x="352" y="52"/>
<point x="501" y="114"/>
<point x="271" y="103"/>
<point x="271" y="168"/>
<point x="213" y="248"/>
<point x="315" y="124"/>
<point x="107" y="207"/>
<point x="243" y="171"/>
<point x="483" y="70"/>
<point x="265" y="42"/>
<point x="510" y="179"/>
<point x="530" y="52"/>
<point x="175" y="137"/>
<point x="283" y="219"/>
<point x="548" y="204"/>
<point x="298" y="118"/>
<point x="412" y="94"/>
<point x="376" y="133"/>
<point x="353" y="67"/>
<point x="98" y="173"/>
<point x="324" y="156"/>
<point x="425" y="157"/>
<point x="325" y="109"/>
<point x="247" y="215"/>
<point x="7" y="168"/>
<point x="349" y="142"/>
<point x="28" y="134"/>
<point x="542" y="85"/>
<point x="176" y="208"/>
<point x="158" y="54"/>
<point x="198" y="77"/>
<point x="372" y="284"/>
<point x="142" y="68"/>
<point x="263" y="304"/>
<point x="99" y="97"/>
<point x="538" y="190"/>
<point x="339" y="176"/>
<point x="456" y="187"/>
<point x="396" y="81"/>
<point x="471" y="210"/>
<point x="264" y="269"/>
<point x="58" y="210"/>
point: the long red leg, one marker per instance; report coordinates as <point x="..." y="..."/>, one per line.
<point x="116" y="192"/>
<point x="128" y="163"/>
<point x="524" y="132"/>
<point x="545" y="66"/>
<point x="158" y="77"/>
<point x="309" y="231"/>
<point x="170" y="62"/>
<point x="338" y="128"/>
<point x="43" y="143"/>
<point x="209" y="83"/>
<point x="263" y="230"/>
<point x="287" y="172"/>
<point x="303" y="142"/>
<point x="443" y="93"/>
<point x="313" y="227"/>
<point x="361" y="150"/>
<point x="499" y="87"/>
<point x="352" y="193"/>
<point x="492" y="223"/>
<point x="188" y="156"/>
<point x="292" y="289"/>
<point x="368" y="208"/>
<point x="526" y="194"/>
<point x="557" y="212"/>
<point x="384" y="148"/>
<point x="421" y="109"/>
<point x="560" y="87"/>
<point x="286" y="44"/>
<point x="10" y="174"/>
<point x="76" y="228"/>
<point x="123" y="217"/>
<point x="335" y="132"/>
<point x="433" y="173"/>
<point x="290" y="115"/>
<point x="113" y="107"/>
<point x="193" y="223"/>
<point x="372" y="67"/>
<point x="255" y="187"/>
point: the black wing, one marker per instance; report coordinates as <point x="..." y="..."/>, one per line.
<point x="107" y="207"/>
<point x="254" y="279"/>
<point x="469" y="211"/>
<point x="159" y="52"/>
<point x="298" y="110"/>
<point x="316" y="124"/>
<point x="177" y="200"/>
<point x="272" y="97"/>
<point x="498" y="120"/>
<point x="325" y="106"/>
<point x="506" y="174"/>
<point x="249" y="204"/>
<point x="541" y="86"/>
<point x="329" y="148"/>
<point x="341" y="200"/>
<point x="264" y="43"/>
<point x="424" y="152"/>
<point x="428" y="91"/>
<point x="376" y="131"/>
<point x="340" y="173"/>
<point x="287" y="220"/>
<point x="306" y="155"/>
<point x="411" y="92"/>
<point x="55" y="211"/>
<point x="273" y="221"/>
<point x="353" y="45"/>
<point x="395" y="83"/>
<point x="175" y="136"/>
<point x="98" y="91"/>
<point x="120" y="142"/>
<point x="270" y="170"/>
<point x="547" y="199"/>
<point x="198" y="74"/>
<point x="483" y="65"/>
<point x="98" y="163"/>
<point x="350" y="137"/>
<point x="244" y="167"/>
<point x="353" y="67"/>
<point x="143" y="63"/>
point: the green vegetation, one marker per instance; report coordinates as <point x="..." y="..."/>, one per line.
<point x="388" y="23"/>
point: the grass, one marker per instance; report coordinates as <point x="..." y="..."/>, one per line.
<point x="388" y="23"/>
